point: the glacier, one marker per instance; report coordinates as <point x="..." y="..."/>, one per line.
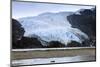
<point x="52" y="27"/>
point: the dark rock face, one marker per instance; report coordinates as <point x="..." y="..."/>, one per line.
<point x="88" y="12"/>
<point x="17" y="32"/>
<point x="54" y="44"/>
<point x="85" y="21"/>
<point x="27" y="42"/>
<point x="74" y="44"/>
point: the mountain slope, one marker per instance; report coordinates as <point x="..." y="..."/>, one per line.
<point x="49" y="27"/>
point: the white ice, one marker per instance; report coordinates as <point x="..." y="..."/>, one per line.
<point x="52" y="27"/>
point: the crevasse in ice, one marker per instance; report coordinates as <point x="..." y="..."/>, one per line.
<point x="52" y="27"/>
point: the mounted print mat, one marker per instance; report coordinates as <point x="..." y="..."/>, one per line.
<point x="48" y="33"/>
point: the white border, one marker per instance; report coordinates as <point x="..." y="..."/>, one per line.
<point x="5" y="33"/>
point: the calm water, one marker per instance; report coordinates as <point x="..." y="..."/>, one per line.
<point x="53" y="60"/>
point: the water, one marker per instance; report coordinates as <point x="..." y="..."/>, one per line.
<point x="53" y="60"/>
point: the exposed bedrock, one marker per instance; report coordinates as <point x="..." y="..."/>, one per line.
<point x="17" y="32"/>
<point x="86" y="22"/>
<point x="27" y="42"/>
<point x="54" y="44"/>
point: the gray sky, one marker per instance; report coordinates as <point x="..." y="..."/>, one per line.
<point x="25" y="9"/>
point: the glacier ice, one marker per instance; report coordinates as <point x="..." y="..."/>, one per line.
<point x="52" y="27"/>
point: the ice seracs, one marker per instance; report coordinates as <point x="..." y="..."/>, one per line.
<point x="52" y="27"/>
